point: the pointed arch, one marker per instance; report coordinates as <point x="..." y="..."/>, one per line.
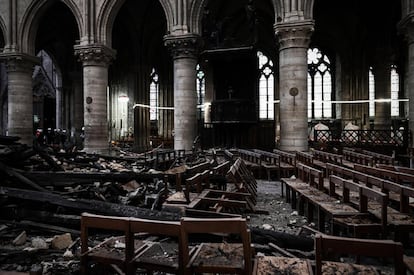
<point x="308" y="9"/>
<point x="196" y="14"/>
<point x="107" y="15"/>
<point x="279" y="11"/>
<point x="31" y="19"/>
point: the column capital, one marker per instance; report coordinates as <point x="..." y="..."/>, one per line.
<point x="19" y="62"/>
<point x="406" y="27"/>
<point x="95" y="54"/>
<point x="183" y="46"/>
<point x="294" y="34"/>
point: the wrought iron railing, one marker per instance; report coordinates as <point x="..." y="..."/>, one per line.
<point x="363" y="137"/>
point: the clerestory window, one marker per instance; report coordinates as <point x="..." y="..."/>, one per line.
<point x="266" y="87"/>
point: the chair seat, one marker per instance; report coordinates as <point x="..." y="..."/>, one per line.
<point x="162" y="255"/>
<point x="111" y="250"/>
<point x="219" y="255"/>
<point x="347" y="268"/>
<point x="272" y="265"/>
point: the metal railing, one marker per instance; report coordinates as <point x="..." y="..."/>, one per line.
<point x="397" y="138"/>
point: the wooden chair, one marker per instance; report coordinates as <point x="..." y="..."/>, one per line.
<point x="163" y="252"/>
<point x="112" y="251"/>
<point x="331" y="245"/>
<point x="223" y="256"/>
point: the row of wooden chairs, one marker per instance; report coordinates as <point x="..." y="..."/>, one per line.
<point x="169" y="246"/>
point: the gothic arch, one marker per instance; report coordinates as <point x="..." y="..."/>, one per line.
<point x="278" y="6"/>
<point x="196" y="14"/>
<point x="32" y="17"/>
<point x="109" y="11"/>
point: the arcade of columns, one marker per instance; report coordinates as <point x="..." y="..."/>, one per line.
<point x="294" y="28"/>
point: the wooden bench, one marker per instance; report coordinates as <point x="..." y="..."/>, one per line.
<point x="352" y="157"/>
<point x="252" y="160"/>
<point x="400" y="218"/>
<point x="308" y="187"/>
<point x="270" y="163"/>
<point x="394" y="176"/>
<point x="242" y="180"/>
<point x="371" y="203"/>
<point x="329" y="248"/>
<point x="304" y="157"/>
<point x="380" y="158"/>
<point x="321" y="158"/>
<point x="401" y="169"/>
<point x="287" y="162"/>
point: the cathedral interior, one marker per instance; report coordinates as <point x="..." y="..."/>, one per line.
<point x="122" y="114"/>
<point x="246" y="74"/>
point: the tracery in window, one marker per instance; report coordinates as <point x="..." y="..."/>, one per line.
<point x="319" y="85"/>
<point x="266" y="87"/>
<point x="395" y="89"/>
<point x="371" y="87"/>
<point x="201" y="89"/>
<point x="154" y="95"/>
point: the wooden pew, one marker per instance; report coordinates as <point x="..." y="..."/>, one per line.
<point x="380" y="158"/>
<point x="321" y="158"/>
<point x="270" y="162"/>
<point x="351" y="157"/>
<point x="394" y="176"/>
<point x="308" y="187"/>
<point x="287" y="162"/>
<point x="252" y="160"/>
<point x="401" y="169"/>
<point x="304" y="157"/>
<point x="243" y="180"/>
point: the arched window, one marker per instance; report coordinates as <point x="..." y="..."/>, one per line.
<point x="319" y="85"/>
<point x="371" y="87"/>
<point x="266" y="87"/>
<point x="395" y="89"/>
<point x="154" y="95"/>
<point x="201" y="90"/>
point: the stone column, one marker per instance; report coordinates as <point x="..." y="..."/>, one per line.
<point x="77" y="107"/>
<point x="20" y="96"/>
<point x="184" y="49"/>
<point x="95" y="60"/>
<point x="294" y="40"/>
<point x="410" y="79"/>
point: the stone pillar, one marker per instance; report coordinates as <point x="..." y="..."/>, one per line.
<point x="382" y="75"/>
<point x="294" y="40"/>
<point x="184" y="49"/>
<point x="20" y="96"/>
<point x="77" y="107"/>
<point x="410" y="79"/>
<point x="95" y="60"/>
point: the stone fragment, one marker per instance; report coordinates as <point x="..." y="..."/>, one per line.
<point x="21" y="239"/>
<point x="61" y="241"/>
